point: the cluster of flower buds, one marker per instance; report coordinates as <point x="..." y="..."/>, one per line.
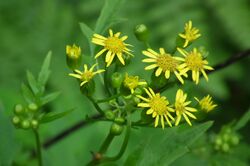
<point x="26" y="117"/>
<point x="225" y="140"/>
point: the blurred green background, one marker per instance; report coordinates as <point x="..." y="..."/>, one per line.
<point x="29" y="29"/>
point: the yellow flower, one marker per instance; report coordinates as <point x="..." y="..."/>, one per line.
<point x="194" y="61"/>
<point x="73" y="51"/>
<point x="190" y="33"/>
<point x="86" y="75"/>
<point x="164" y="62"/>
<point x="182" y="109"/>
<point x="132" y="82"/>
<point x="158" y="106"/>
<point x="113" y="45"/>
<point x="206" y="103"/>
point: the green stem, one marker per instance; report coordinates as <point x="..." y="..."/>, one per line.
<point x="108" y="99"/>
<point x="106" y="143"/>
<point x="123" y="147"/>
<point x="147" y="44"/>
<point x="38" y="145"/>
<point x="106" y="81"/>
<point x="95" y="105"/>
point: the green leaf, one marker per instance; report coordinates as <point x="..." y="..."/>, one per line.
<point x="27" y="93"/>
<point x="243" y="121"/>
<point x="49" y="97"/>
<point x="53" y="116"/>
<point x="166" y="146"/>
<point x="32" y="82"/>
<point x="45" y="72"/>
<point x="88" y="33"/>
<point x="108" y="11"/>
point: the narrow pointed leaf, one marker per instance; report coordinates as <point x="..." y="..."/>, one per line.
<point x="54" y="116"/>
<point x="27" y="93"/>
<point x="243" y="121"/>
<point x="88" y="33"/>
<point x="109" y="10"/>
<point x="32" y="82"/>
<point x="48" y="98"/>
<point x="45" y="72"/>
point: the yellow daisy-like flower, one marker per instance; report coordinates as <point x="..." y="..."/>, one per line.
<point x="73" y="51"/>
<point x="190" y="33"/>
<point x="113" y="45"/>
<point x="194" y="61"/>
<point x="86" y="75"/>
<point x="132" y="82"/>
<point x="182" y="109"/>
<point x="164" y="62"/>
<point x="158" y="106"/>
<point x="206" y="103"/>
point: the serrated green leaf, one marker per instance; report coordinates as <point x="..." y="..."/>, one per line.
<point x="49" y="97"/>
<point x="53" y="116"/>
<point x="164" y="148"/>
<point x="243" y="121"/>
<point x="45" y="72"/>
<point x="108" y="11"/>
<point x="27" y="93"/>
<point x="88" y="33"/>
<point x="32" y="82"/>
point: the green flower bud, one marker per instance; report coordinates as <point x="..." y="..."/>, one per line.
<point x="225" y="147"/>
<point x="119" y="120"/>
<point x="73" y="56"/>
<point x="138" y="91"/>
<point x="25" y="124"/>
<point x="16" y="120"/>
<point x="89" y="88"/>
<point x="32" y="107"/>
<point x="218" y="141"/>
<point x="136" y="100"/>
<point x="19" y="109"/>
<point x="116" y="79"/>
<point x="109" y="115"/>
<point x="116" y="129"/>
<point x="225" y="137"/>
<point x="141" y="32"/>
<point x="234" y="140"/>
<point x="34" y="124"/>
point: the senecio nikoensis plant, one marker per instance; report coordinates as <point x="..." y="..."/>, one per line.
<point x="127" y="95"/>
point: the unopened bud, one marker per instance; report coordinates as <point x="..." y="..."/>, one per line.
<point x="116" y="129"/>
<point x="32" y="107"/>
<point x="18" y="109"/>
<point x="141" y="32"/>
<point x="74" y="56"/>
<point x="116" y="79"/>
<point x="25" y="124"/>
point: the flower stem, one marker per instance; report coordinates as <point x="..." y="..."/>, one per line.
<point x="106" y="143"/>
<point x="108" y="99"/>
<point x="95" y="105"/>
<point x="106" y="81"/>
<point x="38" y="146"/>
<point x="123" y="147"/>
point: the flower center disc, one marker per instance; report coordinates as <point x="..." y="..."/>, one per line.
<point x="166" y="62"/>
<point x="194" y="61"/>
<point x="159" y="104"/>
<point x="87" y="75"/>
<point x="114" y="44"/>
<point x="131" y="82"/>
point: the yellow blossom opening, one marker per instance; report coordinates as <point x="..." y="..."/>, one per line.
<point x="132" y="82"/>
<point x="190" y="33"/>
<point x="164" y="62"/>
<point x="182" y="109"/>
<point x="86" y="75"/>
<point x="158" y="106"/>
<point x="206" y="103"/>
<point x="194" y="61"/>
<point x="73" y="51"/>
<point x="113" y="45"/>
